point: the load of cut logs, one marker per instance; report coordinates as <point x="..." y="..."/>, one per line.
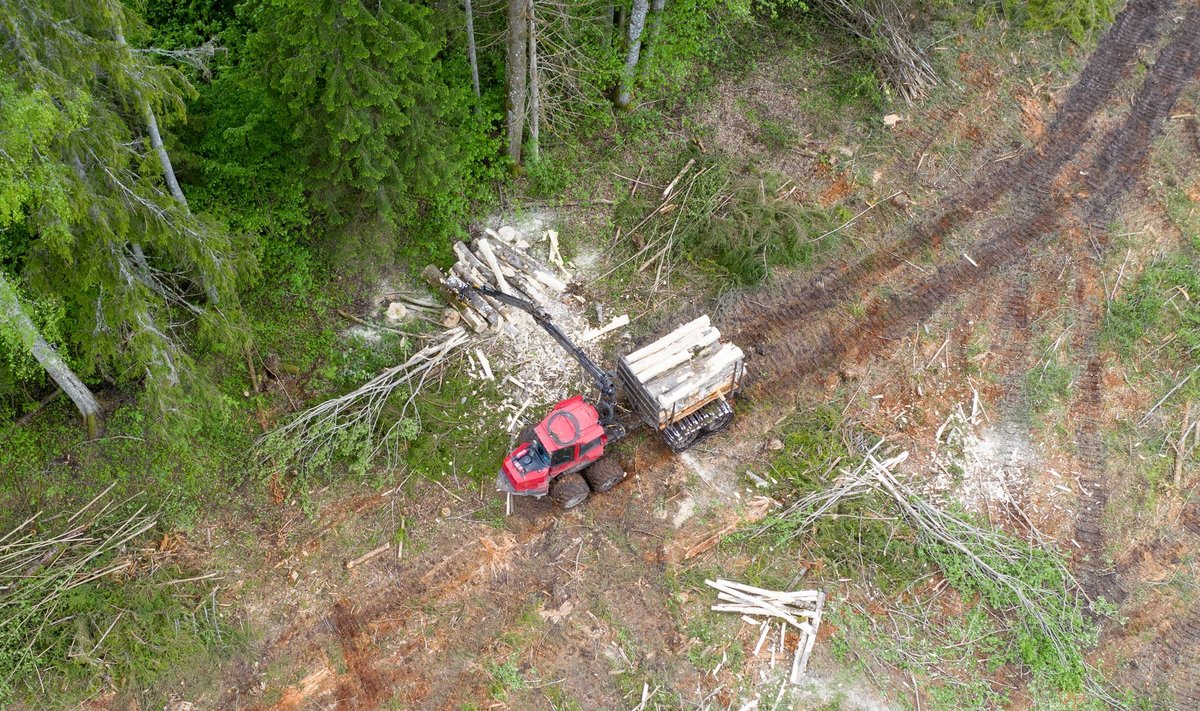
<point x="799" y="610"/>
<point x="500" y="260"/>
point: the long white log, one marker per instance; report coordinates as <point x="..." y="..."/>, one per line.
<point x="593" y="334"/>
<point x="667" y="340"/>
<point x="717" y="373"/>
<point x="674" y="360"/>
<point x="705" y="367"/>
<point x="489" y="258"/>
<point x="689" y="347"/>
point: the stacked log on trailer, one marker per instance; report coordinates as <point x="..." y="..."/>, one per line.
<point x="499" y="260"/>
<point x="681" y="372"/>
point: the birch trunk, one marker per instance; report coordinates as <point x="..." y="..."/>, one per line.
<point x="535" y="99"/>
<point x="637" y="22"/>
<point x="656" y="19"/>
<point x="471" y="56"/>
<point x="517" y="71"/>
<point x="14" y="319"/>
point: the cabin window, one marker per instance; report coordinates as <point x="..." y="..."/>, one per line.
<point x="561" y="456"/>
<point x="587" y="447"/>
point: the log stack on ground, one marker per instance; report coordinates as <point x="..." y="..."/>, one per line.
<point x="498" y="260"/>
<point x="799" y="610"/>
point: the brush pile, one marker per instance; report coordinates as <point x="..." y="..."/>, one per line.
<point x="799" y="610"/>
<point x="42" y="561"/>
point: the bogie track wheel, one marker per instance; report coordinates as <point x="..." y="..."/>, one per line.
<point x="569" y="490"/>
<point x="719" y="422"/>
<point x="604" y="474"/>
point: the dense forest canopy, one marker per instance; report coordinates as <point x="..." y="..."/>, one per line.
<point x="161" y="158"/>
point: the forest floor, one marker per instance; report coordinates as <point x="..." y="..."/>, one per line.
<point x="999" y="223"/>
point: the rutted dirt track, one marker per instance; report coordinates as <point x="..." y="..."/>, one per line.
<point x="1064" y="190"/>
<point x="410" y="640"/>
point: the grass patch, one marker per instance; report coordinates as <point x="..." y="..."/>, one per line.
<point x="1164" y="302"/>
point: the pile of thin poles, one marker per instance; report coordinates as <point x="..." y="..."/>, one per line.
<point x="42" y="560"/>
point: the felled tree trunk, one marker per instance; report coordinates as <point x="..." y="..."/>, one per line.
<point x="516" y="70"/>
<point x="14" y="320"/>
<point x="471" y="56"/>
<point x="535" y="99"/>
<point x="637" y="22"/>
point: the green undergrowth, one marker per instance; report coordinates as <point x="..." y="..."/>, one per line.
<point x="1161" y="304"/>
<point x="856" y="539"/>
<point x="726" y="221"/>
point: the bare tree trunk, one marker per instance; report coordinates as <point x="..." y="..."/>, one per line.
<point x="516" y="71"/>
<point x="156" y="142"/>
<point x="471" y="57"/>
<point x="535" y="99"/>
<point x="637" y="22"/>
<point x="156" y="138"/>
<point x="168" y="169"/>
<point x="14" y="319"/>
<point x="656" y="18"/>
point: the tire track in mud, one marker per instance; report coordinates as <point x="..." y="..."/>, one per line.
<point x="1137" y="25"/>
<point x="1083" y="193"/>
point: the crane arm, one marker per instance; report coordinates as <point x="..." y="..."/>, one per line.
<point x="604" y="380"/>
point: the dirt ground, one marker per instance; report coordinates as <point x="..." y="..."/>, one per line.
<point x="583" y="609"/>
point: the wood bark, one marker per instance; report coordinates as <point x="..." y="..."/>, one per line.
<point x="656" y="19"/>
<point x="516" y="71"/>
<point x="14" y="319"/>
<point x="472" y="58"/>
<point x="535" y="99"/>
<point x="637" y="22"/>
<point x="449" y="291"/>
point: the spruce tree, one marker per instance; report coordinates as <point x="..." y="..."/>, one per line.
<point x="359" y="83"/>
<point x="101" y="233"/>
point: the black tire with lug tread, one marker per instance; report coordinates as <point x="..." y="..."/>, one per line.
<point x="527" y="435"/>
<point x="569" y="490"/>
<point x="604" y="474"/>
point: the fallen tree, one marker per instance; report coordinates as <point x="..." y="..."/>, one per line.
<point x="352" y="420"/>
<point x="1031" y="583"/>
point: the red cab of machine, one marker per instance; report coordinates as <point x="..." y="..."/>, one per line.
<point x="568" y="439"/>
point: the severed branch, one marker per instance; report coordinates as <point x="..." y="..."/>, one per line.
<point x="316" y="431"/>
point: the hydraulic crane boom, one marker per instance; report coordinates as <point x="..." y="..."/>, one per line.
<point x="605" y="380"/>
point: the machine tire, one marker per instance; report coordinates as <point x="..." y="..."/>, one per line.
<point x="569" y="490"/>
<point x="527" y="435"/>
<point x="604" y="474"/>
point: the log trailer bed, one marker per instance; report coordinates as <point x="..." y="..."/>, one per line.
<point x="680" y="385"/>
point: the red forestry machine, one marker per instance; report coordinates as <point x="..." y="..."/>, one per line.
<point x="680" y="385"/>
